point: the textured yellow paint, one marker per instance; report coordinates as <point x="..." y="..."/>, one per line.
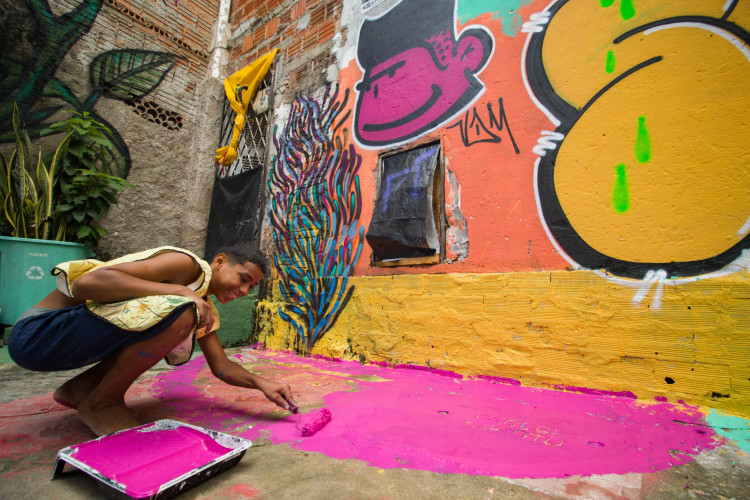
<point x="569" y="328"/>
<point x="576" y="44"/>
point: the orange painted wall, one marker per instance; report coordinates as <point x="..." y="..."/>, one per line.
<point x="496" y="184"/>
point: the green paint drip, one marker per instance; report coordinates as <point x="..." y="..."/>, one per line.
<point x="609" y="67"/>
<point x="642" y="142"/>
<point x="621" y="191"/>
<point x="736" y="429"/>
<point x="627" y="9"/>
<point x="606" y="3"/>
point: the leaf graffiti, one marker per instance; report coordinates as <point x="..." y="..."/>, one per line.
<point x="123" y="74"/>
<point x="116" y="74"/>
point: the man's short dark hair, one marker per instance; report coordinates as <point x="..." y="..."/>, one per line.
<point x="241" y="251"/>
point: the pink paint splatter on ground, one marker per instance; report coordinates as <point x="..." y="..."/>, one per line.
<point x="419" y="420"/>
<point x="239" y="491"/>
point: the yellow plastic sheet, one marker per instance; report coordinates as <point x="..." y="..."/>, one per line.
<point x="240" y="88"/>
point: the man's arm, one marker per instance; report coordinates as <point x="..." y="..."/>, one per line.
<point x="232" y="373"/>
<point x="166" y="274"/>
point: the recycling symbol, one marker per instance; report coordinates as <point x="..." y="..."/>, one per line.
<point x="35" y="273"/>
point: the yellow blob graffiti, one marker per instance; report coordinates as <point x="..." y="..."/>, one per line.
<point x="653" y="166"/>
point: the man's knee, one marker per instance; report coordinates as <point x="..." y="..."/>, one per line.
<point x="184" y="323"/>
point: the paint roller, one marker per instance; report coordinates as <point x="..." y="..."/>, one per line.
<point x="311" y="422"/>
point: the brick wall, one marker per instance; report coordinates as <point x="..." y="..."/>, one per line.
<point x="184" y="29"/>
<point x="302" y="29"/>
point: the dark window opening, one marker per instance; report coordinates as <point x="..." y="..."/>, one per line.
<point x="407" y="226"/>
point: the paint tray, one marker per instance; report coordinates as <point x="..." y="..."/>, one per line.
<point x="156" y="460"/>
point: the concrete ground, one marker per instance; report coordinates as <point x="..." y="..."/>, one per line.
<point x="386" y="439"/>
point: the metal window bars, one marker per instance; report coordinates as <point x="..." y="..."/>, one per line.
<point x="252" y="147"/>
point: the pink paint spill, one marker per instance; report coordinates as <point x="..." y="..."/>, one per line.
<point x="412" y="418"/>
<point x="238" y="491"/>
<point x="142" y="461"/>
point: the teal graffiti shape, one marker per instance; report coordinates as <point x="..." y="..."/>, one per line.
<point x="505" y="10"/>
<point x="736" y="429"/>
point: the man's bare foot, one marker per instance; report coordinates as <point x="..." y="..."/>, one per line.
<point x="67" y="395"/>
<point x="74" y="390"/>
<point x="105" y="419"/>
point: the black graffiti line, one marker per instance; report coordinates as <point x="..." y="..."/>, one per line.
<point x="503" y="119"/>
<point x="728" y="12"/>
<point x="476" y="122"/>
<point x="436" y="94"/>
<point x="728" y="26"/>
<point x="620" y="78"/>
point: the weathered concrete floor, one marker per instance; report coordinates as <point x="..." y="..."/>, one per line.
<point x="33" y="428"/>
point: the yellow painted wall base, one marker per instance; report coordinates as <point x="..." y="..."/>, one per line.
<point x="566" y="328"/>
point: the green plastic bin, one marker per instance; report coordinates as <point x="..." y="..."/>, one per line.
<point x="25" y="271"/>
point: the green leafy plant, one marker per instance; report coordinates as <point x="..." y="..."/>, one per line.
<point x="88" y="196"/>
<point x="87" y="186"/>
<point x="28" y="190"/>
<point x="62" y="197"/>
<point x="89" y="147"/>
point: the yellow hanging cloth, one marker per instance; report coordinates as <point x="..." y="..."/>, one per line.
<point x="240" y="88"/>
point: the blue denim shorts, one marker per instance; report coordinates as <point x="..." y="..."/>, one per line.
<point x="73" y="337"/>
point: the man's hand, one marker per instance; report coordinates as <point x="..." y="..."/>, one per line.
<point x="281" y="394"/>
<point x="204" y="310"/>
<point x="234" y="374"/>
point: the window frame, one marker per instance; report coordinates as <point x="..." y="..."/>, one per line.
<point x="438" y="203"/>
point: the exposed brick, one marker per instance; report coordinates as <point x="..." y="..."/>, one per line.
<point x="259" y="35"/>
<point x="271" y="27"/>
<point x="317" y="16"/>
<point x="247" y="44"/>
<point x="293" y="49"/>
<point x="298" y="9"/>
<point x="327" y="31"/>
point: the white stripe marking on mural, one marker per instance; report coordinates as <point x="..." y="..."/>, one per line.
<point x="744" y="229"/>
<point x="535" y="22"/>
<point x="652" y="278"/>
<point x="547" y="141"/>
<point x="739" y="44"/>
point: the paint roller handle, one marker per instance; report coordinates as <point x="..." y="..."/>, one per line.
<point x="280" y="394"/>
<point x="292" y="407"/>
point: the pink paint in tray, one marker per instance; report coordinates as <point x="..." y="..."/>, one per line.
<point x="156" y="460"/>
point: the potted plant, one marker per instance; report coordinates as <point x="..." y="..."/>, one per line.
<point x="51" y="207"/>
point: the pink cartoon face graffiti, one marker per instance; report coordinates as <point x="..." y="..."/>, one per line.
<point x="417" y="88"/>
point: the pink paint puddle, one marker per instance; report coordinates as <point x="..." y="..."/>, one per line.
<point x="416" y="419"/>
<point x="420" y="420"/>
<point x="144" y="460"/>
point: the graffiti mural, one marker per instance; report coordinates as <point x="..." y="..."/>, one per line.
<point x="39" y="94"/>
<point x="315" y="210"/>
<point x="418" y="73"/>
<point x="646" y="174"/>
